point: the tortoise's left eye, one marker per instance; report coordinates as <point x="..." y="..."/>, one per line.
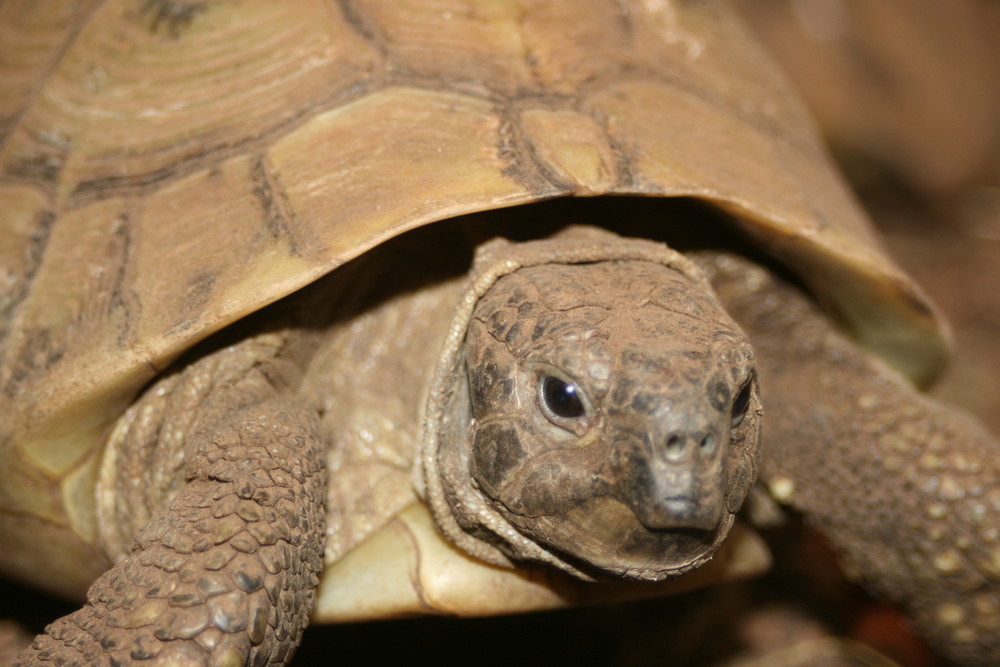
<point x="741" y="404"/>
<point x="562" y="398"/>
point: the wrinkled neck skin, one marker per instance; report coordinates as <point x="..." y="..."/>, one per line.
<point x="595" y="409"/>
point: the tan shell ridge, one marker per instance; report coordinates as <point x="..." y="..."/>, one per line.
<point x="163" y="177"/>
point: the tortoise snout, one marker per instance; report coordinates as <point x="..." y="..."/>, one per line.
<point x="680" y="484"/>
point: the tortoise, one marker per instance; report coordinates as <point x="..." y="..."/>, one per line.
<point x="242" y="369"/>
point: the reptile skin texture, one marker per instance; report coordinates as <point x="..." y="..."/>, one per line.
<point x="226" y="575"/>
<point x="903" y="486"/>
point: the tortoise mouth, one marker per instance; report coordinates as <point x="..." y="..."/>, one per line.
<point x="606" y="539"/>
<point x="680" y="513"/>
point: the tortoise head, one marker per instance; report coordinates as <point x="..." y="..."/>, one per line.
<point x="606" y="419"/>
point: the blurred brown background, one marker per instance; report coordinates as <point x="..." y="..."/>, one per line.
<point x="907" y="93"/>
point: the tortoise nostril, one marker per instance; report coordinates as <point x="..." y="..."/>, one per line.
<point x="680" y="445"/>
<point x="675" y="447"/>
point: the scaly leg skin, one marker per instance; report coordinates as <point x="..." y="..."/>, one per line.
<point x="907" y="490"/>
<point x="227" y="574"/>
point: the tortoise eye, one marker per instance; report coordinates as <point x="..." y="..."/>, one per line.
<point x="562" y="398"/>
<point x="740" y="404"/>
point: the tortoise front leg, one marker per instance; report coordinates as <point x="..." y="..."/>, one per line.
<point x="907" y="489"/>
<point x="226" y="574"/>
